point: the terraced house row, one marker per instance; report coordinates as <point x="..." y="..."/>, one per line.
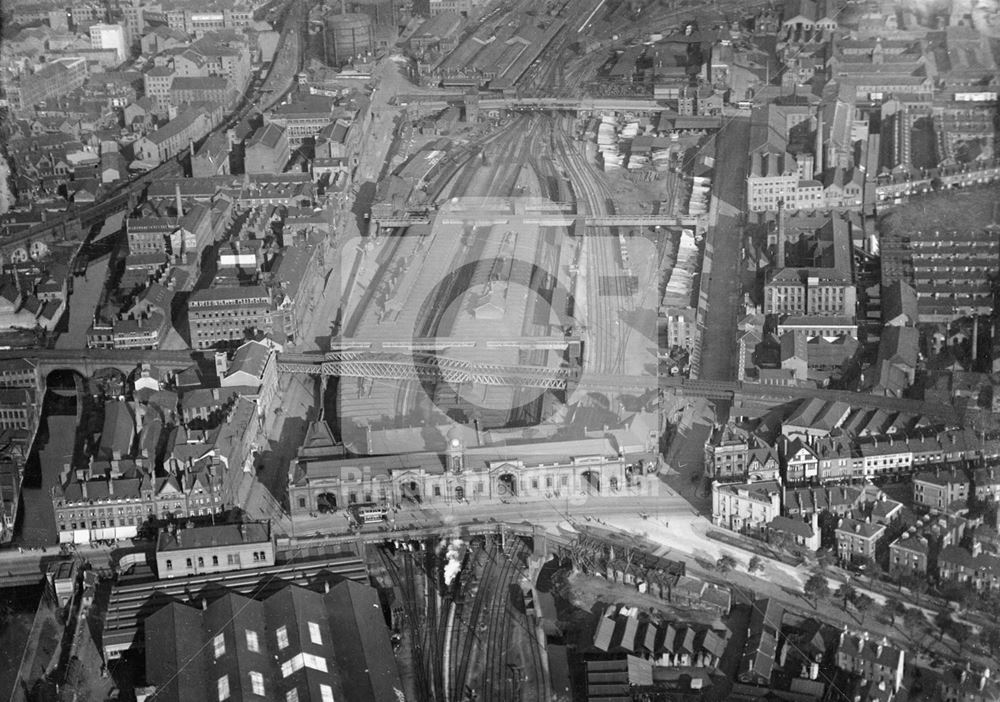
<point x="821" y="442"/>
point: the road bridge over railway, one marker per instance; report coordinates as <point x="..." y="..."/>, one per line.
<point x="538" y="217"/>
<point x="418" y="360"/>
<point x="443" y="343"/>
<point x="747" y="395"/>
<point x="431" y="102"/>
<point x="427" y="366"/>
<point x="617" y="383"/>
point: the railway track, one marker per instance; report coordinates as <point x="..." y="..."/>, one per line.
<point x="583" y="191"/>
<point x="495" y="686"/>
<point x="510" y="151"/>
<point x="471" y="625"/>
<point x="407" y="588"/>
<point x="536" y="657"/>
<point x="460" y="646"/>
<point x="622" y="332"/>
<point x="456" y="183"/>
<point x="514" y="616"/>
<point x="610" y="344"/>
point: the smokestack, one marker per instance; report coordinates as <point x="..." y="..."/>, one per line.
<point x="818" y="166"/>
<point x="781" y="234"/>
<point x="975" y="335"/>
<point x="177" y="200"/>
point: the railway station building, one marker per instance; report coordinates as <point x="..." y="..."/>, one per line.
<point x="324" y="480"/>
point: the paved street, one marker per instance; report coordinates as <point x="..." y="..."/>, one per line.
<point x="82" y="302"/>
<point x="692" y="421"/>
<point x="346" y="234"/>
<point x="718" y="360"/>
<point x="38" y="526"/>
<point x="667" y="504"/>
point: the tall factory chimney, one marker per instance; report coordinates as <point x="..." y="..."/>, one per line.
<point x="780" y="262"/>
<point x="975" y="333"/>
<point x="177" y="200"/>
<point x="818" y="148"/>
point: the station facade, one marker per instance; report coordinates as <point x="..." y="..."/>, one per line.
<point x="556" y="470"/>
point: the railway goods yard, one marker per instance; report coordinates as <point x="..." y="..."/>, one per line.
<point x="500" y="351"/>
<point x="505" y="309"/>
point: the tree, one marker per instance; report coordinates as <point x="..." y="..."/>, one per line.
<point x="914" y="618"/>
<point x="961" y="632"/>
<point x="913" y="582"/>
<point x="778" y="539"/>
<point x="756" y="564"/>
<point x="847" y="593"/>
<point x="956" y="592"/>
<point x="827" y="527"/>
<point x="990" y="637"/>
<point x="990" y="604"/>
<point x="942" y="622"/>
<point x="825" y="560"/>
<point x="873" y="569"/>
<point x="817" y="588"/>
<point x="863" y="603"/>
<point x="726" y="563"/>
<point x="894" y="608"/>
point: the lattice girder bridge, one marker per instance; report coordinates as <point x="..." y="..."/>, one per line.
<point x="424" y="366"/>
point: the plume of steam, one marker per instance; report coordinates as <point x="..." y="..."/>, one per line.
<point x="455" y="553"/>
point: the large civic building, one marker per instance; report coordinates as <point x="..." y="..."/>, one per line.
<point x="321" y="477"/>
